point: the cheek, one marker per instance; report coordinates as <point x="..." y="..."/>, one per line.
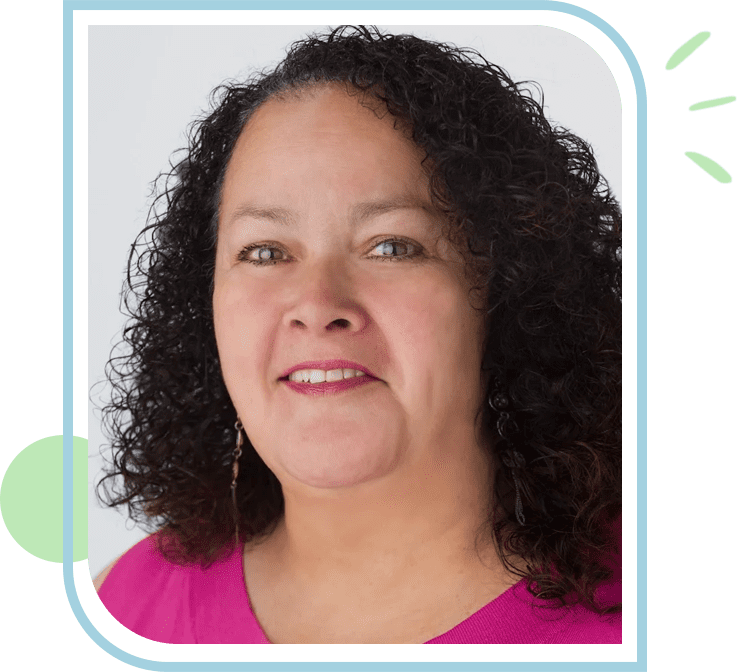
<point x="236" y="330"/>
<point x="431" y="324"/>
<point x="224" y="306"/>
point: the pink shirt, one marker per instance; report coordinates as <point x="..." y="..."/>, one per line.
<point x="188" y="605"/>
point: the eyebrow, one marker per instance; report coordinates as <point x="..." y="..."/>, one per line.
<point x="360" y="212"/>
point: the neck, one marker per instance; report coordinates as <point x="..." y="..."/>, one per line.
<point x="417" y="523"/>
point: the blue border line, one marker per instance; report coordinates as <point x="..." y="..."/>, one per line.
<point x="545" y="5"/>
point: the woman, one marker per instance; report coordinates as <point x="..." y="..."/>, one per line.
<point x="337" y="449"/>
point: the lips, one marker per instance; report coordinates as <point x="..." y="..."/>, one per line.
<point x="330" y="389"/>
<point x="328" y="365"/>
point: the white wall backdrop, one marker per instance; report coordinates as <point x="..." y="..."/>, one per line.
<point x="147" y="83"/>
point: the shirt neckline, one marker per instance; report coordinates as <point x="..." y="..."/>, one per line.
<point x="247" y="614"/>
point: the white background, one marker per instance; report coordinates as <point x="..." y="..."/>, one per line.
<point x="141" y="100"/>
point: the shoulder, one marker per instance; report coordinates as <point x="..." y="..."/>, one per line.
<point x="174" y="603"/>
<point x="571" y="624"/>
<point x="141" y="585"/>
<point x="577" y="623"/>
<point x="144" y="563"/>
<point x="516" y="617"/>
<point x="134" y="559"/>
<point x="591" y="628"/>
<point x="100" y="579"/>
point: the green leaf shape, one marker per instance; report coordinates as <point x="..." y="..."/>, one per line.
<point x="687" y="49"/>
<point x="711" y="103"/>
<point x="713" y="169"/>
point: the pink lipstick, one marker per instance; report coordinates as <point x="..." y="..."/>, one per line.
<point x="321" y="389"/>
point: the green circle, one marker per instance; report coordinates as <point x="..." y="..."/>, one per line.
<point x="31" y="498"/>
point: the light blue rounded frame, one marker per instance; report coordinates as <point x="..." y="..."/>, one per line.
<point x="70" y="6"/>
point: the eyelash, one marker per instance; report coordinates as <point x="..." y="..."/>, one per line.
<point x="269" y="262"/>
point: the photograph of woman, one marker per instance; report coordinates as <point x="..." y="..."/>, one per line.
<point x="372" y="390"/>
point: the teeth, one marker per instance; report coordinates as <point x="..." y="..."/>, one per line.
<point x="316" y="376"/>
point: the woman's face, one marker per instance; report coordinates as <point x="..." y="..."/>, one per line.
<point x="326" y="189"/>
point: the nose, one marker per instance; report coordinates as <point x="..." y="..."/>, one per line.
<point x="324" y="301"/>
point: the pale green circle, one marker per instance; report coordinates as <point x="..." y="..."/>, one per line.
<point x="31" y="498"/>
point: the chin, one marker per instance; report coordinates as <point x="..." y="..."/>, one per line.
<point x="337" y="468"/>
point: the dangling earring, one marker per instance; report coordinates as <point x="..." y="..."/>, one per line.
<point x="236" y="455"/>
<point x="499" y="402"/>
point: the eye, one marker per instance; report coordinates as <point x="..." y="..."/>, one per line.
<point x="385" y="247"/>
<point x="262" y="258"/>
<point x="265" y="255"/>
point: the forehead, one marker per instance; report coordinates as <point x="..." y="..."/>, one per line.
<point x="325" y="133"/>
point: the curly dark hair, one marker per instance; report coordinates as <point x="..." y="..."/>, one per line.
<point x="540" y="232"/>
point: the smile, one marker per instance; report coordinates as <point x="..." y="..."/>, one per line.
<point x="333" y="387"/>
<point x="316" y="376"/>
